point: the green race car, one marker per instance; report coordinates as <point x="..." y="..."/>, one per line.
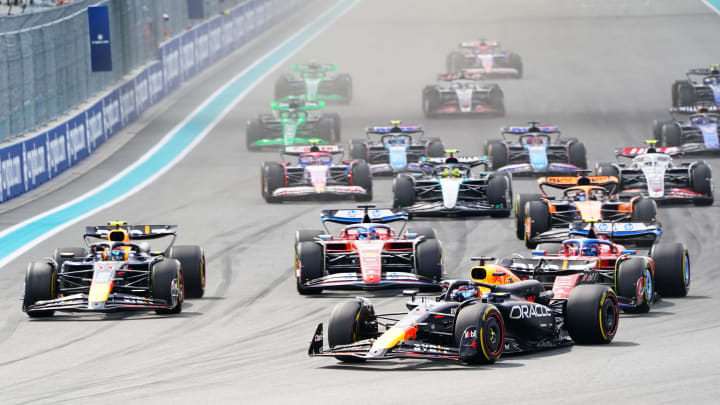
<point x="290" y="124"/>
<point x="315" y="82"/>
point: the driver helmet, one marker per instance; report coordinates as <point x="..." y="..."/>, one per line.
<point x="362" y="233"/>
<point x="118" y="254"/>
<point x="314" y="148"/>
<point x="451" y="173"/>
<point x="590" y="250"/>
<point x="372" y="234"/>
<point x="580" y="197"/>
<point x="464" y="293"/>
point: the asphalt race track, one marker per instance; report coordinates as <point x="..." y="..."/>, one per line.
<point x="600" y="69"/>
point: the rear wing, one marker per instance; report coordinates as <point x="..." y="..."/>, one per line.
<point x="477" y="44"/>
<point x="699" y="107"/>
<point x="299" y="150"/>
<point x="699" y="72"/>
<point x="299" y="105"/>
<point x="363" y="214"/>
<point x="318" y="67"/>
<point x="465" y="74"/>
<point x="633" y="152"/>
<point x="522" y="130"/>
<point x="135" y="232"/>
<point x="400" y="129"/>
<point x="471" y="161"/>
<point x="610" y="183"/>
<point x="627" y="233"/>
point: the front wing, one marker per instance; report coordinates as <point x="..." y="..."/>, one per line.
<point x="115" y="302"/>
<point x="671" y="195"/>
<point x="520" y="169"/>
<point x="301" y="192"/>
<point x="388" y="280"/>
<point x="438" y="208"/>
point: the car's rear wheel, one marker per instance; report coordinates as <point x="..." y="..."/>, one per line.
<point x="40" y="280"/>
<point x="254" y="133"/>
<point x="309" y="266"/>
<point x="498" y="153"/>
<point x="519" y="206"/>
<point x="337" y="125"/>
<point x="435" y="148"/>
<point x="167" y="284"/>
<point x="576" y="155"/>
<point x="479" y="333"/>
<point x="194" y="268"/>
<point x="633" y="279"/>
<point x="644" y="210"/>
<point x="359" y="150"/>
<point x="515" y="62"/>
<point x="497" y="101"/>
<point x="350" y="322"/>
<point x="686" y="94"/>
<point x="429" y="259"/>
<point x="403" y="192"/>
<point x="592" y="315"/>
<point x="657" y="127"/>
<point x="671" y="135"/>
<point x="539" y="215"/>
<point x="672" y="269"/>
<point x="362" y="177"/>
<point x="326" y="129"/>
<point x="498" y="189"/>
<point x="431" y="102"/>
<point x="607" y="169"/>
<point x="272" y="177"/>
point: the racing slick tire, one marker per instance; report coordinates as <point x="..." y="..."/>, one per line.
<point x="628" y="274"/>
<point x="498" y="188"/>
<point x="254" y="132"/>
<point x="607" y="169"/>
<point x="429" y="259"/>
<point x="672" y="269"/>
<point x="519" y="206"/>
<point x="403" y="192"/>
<point x="431" y="101"/>
<point x="489" y="333"/>
<point x="39" y="286"/>
<point x="326" y="129"/>
<point x="359" y="150"/>
<point x="498" y="152"/>
<point x="435" y="148"/>
<point x="350" y="322"/>
<point x="657" y="127"/>
<point x="454" y="62"/>
<point x="77" y="252"/>
<point x="345" y="85"/>
<point x="309" y="263"/>
<point x="496" y="100"/>
<point x="194" y="267"/>
<point x="337" y="125"/>
<point x="307" y="235"/>
<point x="166" y="276"/>
<point x="685" y="94"/>
<point x="272" y="177"/>
<point x="425" y="231"/>
<point x="362" y="177"/>
<point x="283" y="87"/>
<point x="515" y="61"/>
<point x="576" y="155"/>
<point x="671" y="135"/>
<point x="701" y="178"/>
<point x="644" y="210"/>
<point x="587" y="303"/>
<point x="539" y="215"/>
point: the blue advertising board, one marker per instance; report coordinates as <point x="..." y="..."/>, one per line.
<point x="94" y="126"/>
<point x="100" y="47"/>
<point x="76" y="139"/>
<point x="171" y="65"/>
<point x="35" y="167"/>
<point x="111" y="113"/>
<point x="156" y="83"/>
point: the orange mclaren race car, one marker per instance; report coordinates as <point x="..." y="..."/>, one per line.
<point x="474" y="321"/>
<point x="584" y="200"/>
<point x="117" y="271"/>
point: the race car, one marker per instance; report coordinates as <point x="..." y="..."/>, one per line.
<point x="315" y="175"/>
<point x="585" y="199"/>
<point x="462" y="94"/>
<point x="315" y="82"/>
<point x="367" y="253"/>
<point x="652" y="173"/>
<point x="116" y="272"/>
<point x="687" y="93"/>
<point x="696" y="134"/>
<point x="487" y="56"/>
<point x="290" y="124"/>
<point x="537" y="150"/>
<point x="395" y="148"/>
<point x="447" y="186"/>
<point x="473" y="321"/>
<point x="636" y="278"/>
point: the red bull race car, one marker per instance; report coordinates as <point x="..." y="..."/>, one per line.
<point x="116" y="272"/>
<point x="474" y="321"/>
<point x="367" y="253"/>
<point x="486" y="56"/>
<point x="316" y="174"/>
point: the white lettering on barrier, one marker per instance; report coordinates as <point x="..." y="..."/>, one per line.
<point x="188" y="56"/>
<point x="56" y="153"/>
<point x="93" y="124"/>
<point x="156" y="84"/>
<point x="127" y="104"/>
<point x="171" y="66"/>
<point x="11" y="169"/>
<point x="141" y="93"/>
<point x="34" y="164"/>
<point x="75" y="140"/>
<point x="111" y="113"/>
